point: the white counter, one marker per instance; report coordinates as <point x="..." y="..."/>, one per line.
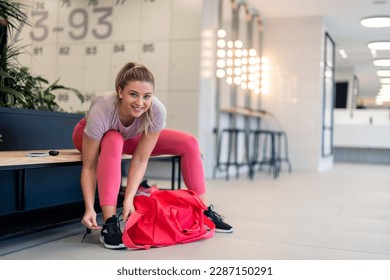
<point x="366" y="129"/>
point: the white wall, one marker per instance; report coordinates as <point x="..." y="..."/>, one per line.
<point x="294" y="47"/>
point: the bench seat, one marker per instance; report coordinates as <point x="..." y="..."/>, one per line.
<point x="19" y="163"/>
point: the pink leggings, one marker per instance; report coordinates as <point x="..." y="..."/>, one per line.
<point x="170" y="141"/>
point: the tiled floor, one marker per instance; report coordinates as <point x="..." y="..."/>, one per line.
<point x="343" y="213"/>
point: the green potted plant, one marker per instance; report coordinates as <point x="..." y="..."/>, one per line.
<point x="27" y="102"/>
<point x="18" y="87"/>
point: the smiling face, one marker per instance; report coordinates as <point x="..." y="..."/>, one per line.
<point x="135" y="99"/>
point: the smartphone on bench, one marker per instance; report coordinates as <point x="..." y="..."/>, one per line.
<point x="43" y="154"/>
<point x="35" y="154"/>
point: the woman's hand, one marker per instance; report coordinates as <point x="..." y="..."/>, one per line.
<point x="89" y="220"/>
<point x="128" y="209"/>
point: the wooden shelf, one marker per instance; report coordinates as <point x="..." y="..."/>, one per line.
<point x="244" y="112"/>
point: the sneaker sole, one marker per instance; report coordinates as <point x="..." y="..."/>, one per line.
<point x="224" y="230"/>
<point x="108" y="246"/>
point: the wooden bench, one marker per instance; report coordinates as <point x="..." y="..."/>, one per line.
<point x="19" y="162"/>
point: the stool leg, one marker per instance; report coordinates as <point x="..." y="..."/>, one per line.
<point x="286" y="152"/>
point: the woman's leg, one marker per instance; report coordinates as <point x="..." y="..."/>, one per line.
<point x="109" y="167"/>
<point x="109" y="172"/>
<point x="186" y="146"/>
<point x="78" y="133"/>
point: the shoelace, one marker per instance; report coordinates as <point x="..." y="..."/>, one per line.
<point x="110" y="228"/>
<point x="218" y="217"/>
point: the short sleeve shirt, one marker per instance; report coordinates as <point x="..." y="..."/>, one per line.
<point x="103" y="116"/>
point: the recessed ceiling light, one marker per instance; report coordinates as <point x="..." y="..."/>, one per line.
<point x="385" y="80"/>
<point x="377" y="21"/>
<point x="381" y="45"/>
<point x="343" y="54"/>
<point x="382" y="62"/>
<point x="383" y="73"/>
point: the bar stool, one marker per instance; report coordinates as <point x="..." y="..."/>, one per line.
<point x="268" y="152"/>
<point x="282" y="149"/>
<point x="233" y="136"/>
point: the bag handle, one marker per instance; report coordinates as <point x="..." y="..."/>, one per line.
<point x="208" y="233"/>
<point x="131" y="221"/>
<point x="194" y="228"/>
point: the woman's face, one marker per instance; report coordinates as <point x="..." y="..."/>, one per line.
<point x="136" y="98"/>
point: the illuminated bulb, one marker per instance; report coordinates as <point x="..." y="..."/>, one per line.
<point x="221" y="43"/>
<point x="252" y="52"/>
<point x="237" y="71"/>
<point x="238" y="53"/>
<point x="238" y="44"/>
<point x="237" y="80"/>
<point x="229" y="71"/>
<point x="220" y="73"/>
<point x="237" y="62"/>
<point x="221" y="33"/>
<point x="221" y="53"/>
<point x="221" y="63"/>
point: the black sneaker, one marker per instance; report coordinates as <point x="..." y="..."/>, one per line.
<point x="111" y="234"/>
<point x="220" y="225"/>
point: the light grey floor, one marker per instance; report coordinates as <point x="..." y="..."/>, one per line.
<point x="343" y="213"/>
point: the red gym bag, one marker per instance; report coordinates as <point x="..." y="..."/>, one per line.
<point x="166" y="218"/>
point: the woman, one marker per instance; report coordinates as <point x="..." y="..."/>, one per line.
<point x="130" y="121"/>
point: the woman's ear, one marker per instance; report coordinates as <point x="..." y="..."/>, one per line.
<point x="120" y="93"/>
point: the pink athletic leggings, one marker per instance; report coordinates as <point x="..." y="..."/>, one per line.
<point x="170" y="141"/>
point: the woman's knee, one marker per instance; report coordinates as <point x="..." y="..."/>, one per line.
<point x="113" y="140"/>
<point x="191" y="143"/>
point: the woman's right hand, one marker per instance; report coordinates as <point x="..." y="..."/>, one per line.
<point x="128" y="209"/>
<point x="89" y="220"/>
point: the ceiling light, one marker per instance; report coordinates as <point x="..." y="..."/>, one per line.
<point x="381" y="62"/>
<point x="377" y="21"/>
<point x="385" y="80"/>
<point x="382" y="45"/>
<point x="383" y="73"/>
<point x="343" y="54"/>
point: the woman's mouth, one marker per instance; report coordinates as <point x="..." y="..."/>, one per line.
<point x="137" y="108"/>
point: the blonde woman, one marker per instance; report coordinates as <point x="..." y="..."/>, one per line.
<point x="130" y="121"/>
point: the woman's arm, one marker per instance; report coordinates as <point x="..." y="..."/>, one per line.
<point x="90" y="155"/>
<point x="137" y="170"/>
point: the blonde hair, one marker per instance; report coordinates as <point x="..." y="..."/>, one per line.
<point x="131" y="72"/>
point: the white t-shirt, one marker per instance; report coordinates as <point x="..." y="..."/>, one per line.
<point x="103" y="116"/>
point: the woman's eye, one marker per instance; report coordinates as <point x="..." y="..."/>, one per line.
<point x="133" y="94"/>
<point x="147" y="97"/>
